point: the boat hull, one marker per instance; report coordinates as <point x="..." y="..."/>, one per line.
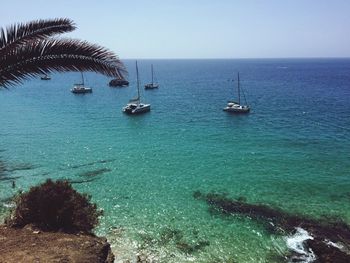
<point x="118" y="83"/>
<point x="151" y="86"/>
<point x="75" y="91"/>
<point x="80" y="89"/>
<point x="137" y="109"/>
<point x="237" y="109"/>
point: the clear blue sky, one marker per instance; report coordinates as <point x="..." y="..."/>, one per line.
<point x="200" y="28"/>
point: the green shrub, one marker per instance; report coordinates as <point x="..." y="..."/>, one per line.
<point x="55" y="206"/>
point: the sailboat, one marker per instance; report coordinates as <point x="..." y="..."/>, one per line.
<point x="152" y="85"/>
<point x="80" y="88"/>
<point x="236" y="107"/>
<point x="45" y="77"/>
<point x="135" y="106"/>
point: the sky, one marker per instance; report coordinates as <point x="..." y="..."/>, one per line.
<point x="200" y="28"/>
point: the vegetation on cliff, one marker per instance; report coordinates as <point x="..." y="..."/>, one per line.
<point x="55" y="206"/>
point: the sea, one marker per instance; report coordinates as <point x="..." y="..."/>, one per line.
<point x="291" y="152"/>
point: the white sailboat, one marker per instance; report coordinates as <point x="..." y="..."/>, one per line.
<point x="45" y="77"/>
<point x="135" y="106"/>
<point x="80" y="88"/>
<point x="152" y="85"/>
<point x="236" y="107"/>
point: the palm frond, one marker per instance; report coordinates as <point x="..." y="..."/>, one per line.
<point x="20" y="33"/>
<point x="60" y="55"/>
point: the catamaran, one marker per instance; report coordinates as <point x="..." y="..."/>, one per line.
<point x="236" y="107"/>
<point x="135" y="106"/>
<point x="152" y="85"/>
<point x="119" y="82"/>
<point x="80" y="88"/>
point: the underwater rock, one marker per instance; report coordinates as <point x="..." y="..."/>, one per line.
<point x="95" y="172"/>
<point x="9" y="178"/>
<point x="175" y="237"/>
<point x="2" y="167"/>
<point x="191" y="248"/>
<point x="242" y="199"/>
<point x="169" y="234"/>
<point x="142" y="258"/>
<point x="197" y="195"/>
<point x="275" y="219"/>
<point x="91" y="163"/>
<point x="326" y="252"/>
<point x="106" y="161"/>
<point x="81" y="181"/>
<point x="21" y="167"/>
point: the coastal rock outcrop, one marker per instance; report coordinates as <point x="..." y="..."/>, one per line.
<point x="31" y="245"/>
<point x="327" y="241"/>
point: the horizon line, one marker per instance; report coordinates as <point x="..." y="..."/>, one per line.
<point x="348" y="57"/>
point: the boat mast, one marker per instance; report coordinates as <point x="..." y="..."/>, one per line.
<point x="138" y="84"/>
<point x="82" y="78"/>
<point x="152" y="73"/>
<point x="239" y="92"/>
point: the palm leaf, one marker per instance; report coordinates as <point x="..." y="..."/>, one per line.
<point x="60" y="55"/>
<point x="21" y="33"/>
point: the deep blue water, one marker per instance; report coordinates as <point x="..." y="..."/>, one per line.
<point x="292" y="151"/>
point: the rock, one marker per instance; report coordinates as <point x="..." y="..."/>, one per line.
<point x="325" y="232"/>
<point x="23" y="245"/>
<point x="327" y="253"/>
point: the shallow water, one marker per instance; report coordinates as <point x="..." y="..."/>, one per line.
<point x="292" y="151"/>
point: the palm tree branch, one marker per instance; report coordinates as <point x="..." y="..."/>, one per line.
<point x="62" y="55"/>
<point x="18" y="34"/>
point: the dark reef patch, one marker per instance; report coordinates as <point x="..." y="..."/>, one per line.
<point x="190" y="248"/>
<point x="77" y="181"/>
<point x="340" y="196"/>
<point x="323" y="231"/>
<point x="95" y="172"/>
<point x="3" y="168"/>
<point x="41" y="174"/>
<point x="168" y="234"/>
<point x="9" y="168"/>
<point x="326" y="252"/>
<point x="21" y="167"/>
<point x="9" y="178"/>
<point x="175" y="236"/>
<point x="91" y="163"/>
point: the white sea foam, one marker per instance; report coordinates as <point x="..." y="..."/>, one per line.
<point x="9" y="205"/>
<point x="336" y="245"/>
<point x="296" y="243"/>
<point x="339" y="246"/>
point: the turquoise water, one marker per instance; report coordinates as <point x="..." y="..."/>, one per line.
<point x="292" y="151"/>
